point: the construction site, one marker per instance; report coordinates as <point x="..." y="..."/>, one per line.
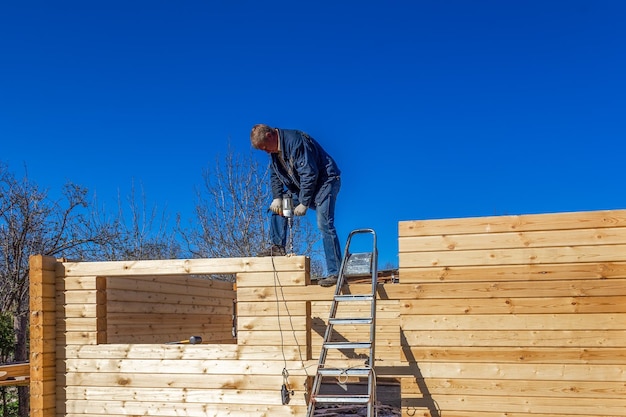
<point x="516" y="316"/>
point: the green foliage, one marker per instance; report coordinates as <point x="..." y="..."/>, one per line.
<point x="8" y="395"/>
<point x="7" y="338"/>
<point x="9" y="404"/>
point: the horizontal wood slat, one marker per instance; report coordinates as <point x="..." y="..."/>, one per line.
<point x="519" y="223"/>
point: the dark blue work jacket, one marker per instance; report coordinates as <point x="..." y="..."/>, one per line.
<point x="302" y="167"/>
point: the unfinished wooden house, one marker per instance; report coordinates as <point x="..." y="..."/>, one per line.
<point x="514" y="316"/>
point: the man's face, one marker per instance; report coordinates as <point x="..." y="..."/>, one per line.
<point x="271" y="143"/>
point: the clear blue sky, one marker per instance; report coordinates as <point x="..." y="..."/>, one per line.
<point x="432" y="109"/>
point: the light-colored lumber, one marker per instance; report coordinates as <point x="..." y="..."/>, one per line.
<point x="517" y="305"/>
<point x="531" y="388"/>
<point x="512" y="322"/>
<point x="565" y="406"/>
<point x="540" y="338"/>
<point x="513" y="240"/>
<point x="160" y="409"/>
<point x="514" y="289"/>
<point x="184" y="366"/>
<point x="182" y="266"/>
<point x="542" y="272"/>
<point x="514" y="371"/>
<point x="526" y="256"/>
<point x="514" y="354"/>
<point x="519" y="223"/>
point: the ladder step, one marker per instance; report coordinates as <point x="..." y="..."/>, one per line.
<point x="342" y="399"/>
<point x="347" y="345"/>
<point x="358" y="264"/>
<point x="344" y="372"/>
<point x="364" y="320"/>
<point x="354" y="297"/>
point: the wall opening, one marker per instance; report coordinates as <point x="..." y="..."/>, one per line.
<point x="166" y="309"/>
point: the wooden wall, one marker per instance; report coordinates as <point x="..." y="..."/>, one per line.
<point x="515" y="315"/>
<point x="509" y="316"/>
<point x="103" y="369"/>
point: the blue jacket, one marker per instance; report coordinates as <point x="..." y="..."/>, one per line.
<point x="302" y="167"/>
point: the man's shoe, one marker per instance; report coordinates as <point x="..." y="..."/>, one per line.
<point x="274" y="250"/>
<point x="328" y="281"/>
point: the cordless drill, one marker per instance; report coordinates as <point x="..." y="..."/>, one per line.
<point x="288" y="214"/>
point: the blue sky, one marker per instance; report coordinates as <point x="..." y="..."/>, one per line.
<point x="432" y="109"/>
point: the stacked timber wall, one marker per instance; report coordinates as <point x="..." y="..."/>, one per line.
<point x="92" y="353"/>
<point x="515" y="315"/>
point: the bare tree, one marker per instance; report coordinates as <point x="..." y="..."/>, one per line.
<point x="140" y="231"/>
<point x="232" y="216"/>
<point x="31" y="223"/>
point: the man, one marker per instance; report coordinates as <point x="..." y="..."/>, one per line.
<point x="301" y="167"/>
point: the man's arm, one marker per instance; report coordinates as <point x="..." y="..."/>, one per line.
<point x="308" y="172"/>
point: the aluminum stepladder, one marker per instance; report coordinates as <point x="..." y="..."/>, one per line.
<point x="353" y="264"/>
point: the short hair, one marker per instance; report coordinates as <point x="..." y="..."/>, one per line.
<point x="258" y="135"/>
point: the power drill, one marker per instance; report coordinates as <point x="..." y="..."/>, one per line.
<point x="288" y="214"/>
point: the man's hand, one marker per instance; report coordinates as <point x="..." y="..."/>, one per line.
<point x="300" y="210"/>
<point x="277" y="205"/>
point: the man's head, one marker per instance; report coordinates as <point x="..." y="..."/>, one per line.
<point x="265" y="138"/>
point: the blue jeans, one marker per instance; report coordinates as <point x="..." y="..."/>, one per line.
<point x="325" y="211"/>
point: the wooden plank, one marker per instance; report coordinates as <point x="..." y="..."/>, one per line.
<point x="424" y="411"/>
<point x="529" y="256"/>
<point x="204" y="352"/>
<point x="14" y="370"/>
<point x="504" y="305"/>
<point x="272" y="323"/>
<point x="286" y="337"/>
<point x="588" y="288"/>
<point x="514" y="371"/>
<point x="84" y="310"/>
<point x="543" y="272"/>
<point x="508" y="354"/>
<point x="519" y="223"/>
<point x="511" y="322"/>
<point x="85" y="283"/>
<point x="184" y="381"/>
<point x="183" y="266"/>
<point x="78" y="338"/>
<point x="272" y="279"/>
<point x="121" y="318"/>
<point x="557" y="406"/>
<point x="159" y="409"/>
<point x="544" y="338"/>
<point x="530" y="388"/>
<point x="171" y="308"/>
<point x="173" y="285"/>
<point x="182" y="328"/>
<point x="184" y="366"/>
<point x="79" y="297"/>
<point x="255" y="309"/>
<point x="179" y="396"/>
<point x="18" y="381"/>
<point x="510" y="240"/>
<point x="164" y="337"/>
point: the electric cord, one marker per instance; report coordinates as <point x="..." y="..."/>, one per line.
<point x="286" y="390"/>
